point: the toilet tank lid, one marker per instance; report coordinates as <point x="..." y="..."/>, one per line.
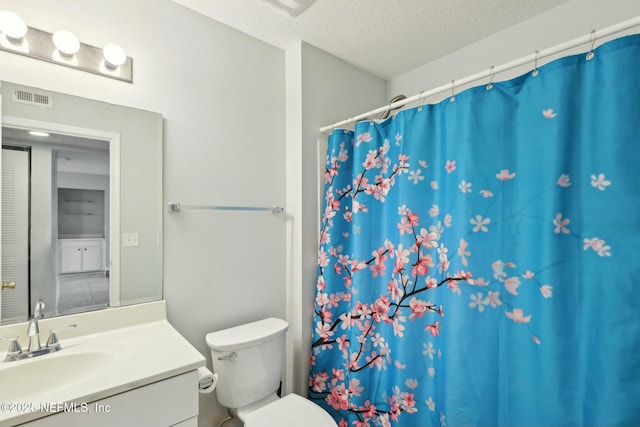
<point x="246" y="335"/>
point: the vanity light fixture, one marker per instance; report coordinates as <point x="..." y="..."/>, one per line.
<point x="63" y="48"/>
<point x="66" y="42"/>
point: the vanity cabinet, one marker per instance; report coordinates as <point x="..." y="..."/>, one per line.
<point x="81" y="255"/>
<point x="170" y="402"/>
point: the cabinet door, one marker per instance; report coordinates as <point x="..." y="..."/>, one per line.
<point x="171" y="402"/>
<point x="70" y="259"/>
<point x="91" y="258"/>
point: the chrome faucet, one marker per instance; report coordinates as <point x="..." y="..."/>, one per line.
<point x="15" y="352"/>
<point x="33" y="331"/>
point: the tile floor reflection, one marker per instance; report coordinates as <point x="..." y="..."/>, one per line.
<point x="82" y="292"/>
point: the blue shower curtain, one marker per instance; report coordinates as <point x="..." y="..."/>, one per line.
<point x="479" y="261"/>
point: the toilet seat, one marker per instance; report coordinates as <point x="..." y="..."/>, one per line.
<point x="290" y="411"/>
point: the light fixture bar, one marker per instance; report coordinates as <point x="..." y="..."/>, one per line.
<point x="39" y="44"/>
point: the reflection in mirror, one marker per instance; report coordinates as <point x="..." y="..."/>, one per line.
<point x="82" y="230"/>
<point x="73" y="203"/>
<point x="81" y="204"/>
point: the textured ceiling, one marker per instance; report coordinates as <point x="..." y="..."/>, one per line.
<point x="384" y="37"/>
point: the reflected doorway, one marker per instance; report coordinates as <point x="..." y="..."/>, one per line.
<point x="67" y="194"/>
<point x="83" y="229"/>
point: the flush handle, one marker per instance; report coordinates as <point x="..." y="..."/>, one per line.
<point x="231" y="357"/>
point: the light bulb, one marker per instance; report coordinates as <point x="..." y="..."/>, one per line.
<point x="38" y="133"/>
<point x="66" y="42"/>
<point x="114" y="55"/>
<point x="12" y="26"/>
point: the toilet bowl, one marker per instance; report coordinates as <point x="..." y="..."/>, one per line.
<point x="249" y="360"/>
<point x="290" y="411"/>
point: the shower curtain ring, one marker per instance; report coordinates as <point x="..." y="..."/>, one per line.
<point x="491" y="75"/>
<point x="592" y="40"/>
<point x="420" y="103"/>
<point x="535" y="64"/>
<point x="453" y="94"/>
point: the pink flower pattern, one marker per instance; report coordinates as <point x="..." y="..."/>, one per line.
<point x="564" y="181"/>
<point x="517" y="315"/>
<point x="561" y="224"/>
<point x="600" y="182"/>
<point x="413" y="264"/>
<point x="505" y="175"/>
<point x="450" y="166"/>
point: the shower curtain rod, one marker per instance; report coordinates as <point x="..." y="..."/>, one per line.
<point x="533" y="58"/>
<point x="177" y="207"/>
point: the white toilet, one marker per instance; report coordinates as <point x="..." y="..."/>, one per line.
<point x="248" y="360"/>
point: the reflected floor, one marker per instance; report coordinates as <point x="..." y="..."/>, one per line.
<point x="82" y="292"/>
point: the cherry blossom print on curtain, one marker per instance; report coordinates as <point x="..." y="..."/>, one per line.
<point x="479" y="258"/>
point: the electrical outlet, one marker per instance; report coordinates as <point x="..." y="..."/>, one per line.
<point x="130" y="240"/>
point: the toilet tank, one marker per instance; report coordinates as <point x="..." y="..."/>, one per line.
<point x="255" y="371"/>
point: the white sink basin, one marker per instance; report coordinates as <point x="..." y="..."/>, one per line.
<point x="93" y="365"/>
<point x="25" y="380"/>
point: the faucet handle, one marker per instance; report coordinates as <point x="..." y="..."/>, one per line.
<point x="52" y="341"/>
<point x="14" y="346"/>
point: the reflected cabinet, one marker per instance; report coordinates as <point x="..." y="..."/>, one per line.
<point x="82" y="255"/>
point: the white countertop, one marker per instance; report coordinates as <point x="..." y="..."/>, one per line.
<point x="129" y="357"/>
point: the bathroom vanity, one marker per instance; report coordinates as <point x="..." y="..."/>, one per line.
<point x="81" y="255"/>
<point x="123" y="366"/>
<point x="170" y="402"/>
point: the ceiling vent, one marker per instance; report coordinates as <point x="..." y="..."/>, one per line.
<point x="32" y="98"/>
<point x="290" y="8"/>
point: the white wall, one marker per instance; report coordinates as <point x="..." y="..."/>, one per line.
<point x="321" y="90"/>
<point x="222" y="96"/>
<point x="572" y="19"/>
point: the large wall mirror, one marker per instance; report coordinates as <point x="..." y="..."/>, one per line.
<point x="81" y="224"/>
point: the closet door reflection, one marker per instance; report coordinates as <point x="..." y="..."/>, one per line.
<point x="15" y="234"/>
